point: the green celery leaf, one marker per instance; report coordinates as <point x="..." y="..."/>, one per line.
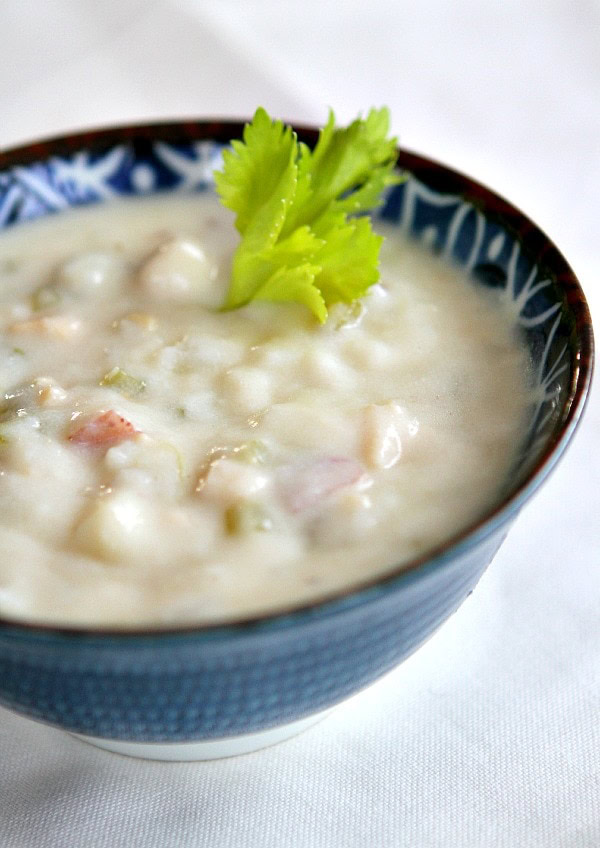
<point x="348" y="261"/>
<point x="252" y="170"/>
<point x="295" y="284"/>
<point x="292" y="206"/>
<point x="252" y="268"/>
<point x="342" y="162"/>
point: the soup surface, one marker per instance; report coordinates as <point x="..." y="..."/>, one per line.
<point x="162" y="462"/>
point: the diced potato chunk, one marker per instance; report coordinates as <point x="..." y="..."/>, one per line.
<point x="323" y="368"/>
<point x="169" y="357"/>
<point x="385" y="427"/>
<point x="228" y="480"/>
<point x="198" y="406"/>
<point x="92" y="273"/>
<point x="27" y="450"/>
<point x="180" y="270"/>
<point x="115" y="527"/>
<point x="249" y="389"/>
<point x="207" y="350"/>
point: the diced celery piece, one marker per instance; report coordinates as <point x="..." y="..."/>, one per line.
<point x="46" y="297"/>
<point x="254" y="452"/>
<point x="123" y="382"/>
<point x="176" y="455"/>
<point x="246" y="517"/>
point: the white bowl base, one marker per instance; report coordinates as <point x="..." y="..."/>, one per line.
<point x="211" y="749"/>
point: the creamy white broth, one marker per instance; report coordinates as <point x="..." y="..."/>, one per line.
<point x="165" y="462"/>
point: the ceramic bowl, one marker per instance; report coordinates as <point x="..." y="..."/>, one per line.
<point x="219" y="690"/>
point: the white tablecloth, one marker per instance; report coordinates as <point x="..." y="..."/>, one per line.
<point x="490" y="734"/>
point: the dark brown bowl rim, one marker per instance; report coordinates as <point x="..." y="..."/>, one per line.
<point x="430" y="172"/>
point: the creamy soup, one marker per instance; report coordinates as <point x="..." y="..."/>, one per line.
<point x="164" y="462"/>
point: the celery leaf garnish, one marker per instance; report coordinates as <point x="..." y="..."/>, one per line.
<point x="293" y="210"/>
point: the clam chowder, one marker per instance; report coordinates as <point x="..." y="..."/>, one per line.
<point x="164" y="462"/>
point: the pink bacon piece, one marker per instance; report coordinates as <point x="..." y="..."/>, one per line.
<point x="105" y="430"/>
<point x="306" y="485"/>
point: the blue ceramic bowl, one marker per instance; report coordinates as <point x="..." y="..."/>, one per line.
<point x="227" y="689"/>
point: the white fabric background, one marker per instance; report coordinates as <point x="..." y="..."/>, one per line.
<point x="490" y="734"/>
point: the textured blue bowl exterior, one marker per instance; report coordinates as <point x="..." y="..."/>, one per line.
<point x="231" y="680"/>
<point x="222" y="681"/>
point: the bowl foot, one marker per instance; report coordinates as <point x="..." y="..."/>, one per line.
<point x="210" y="749"/>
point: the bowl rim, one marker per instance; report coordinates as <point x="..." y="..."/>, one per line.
<point x="426" y="170"/>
